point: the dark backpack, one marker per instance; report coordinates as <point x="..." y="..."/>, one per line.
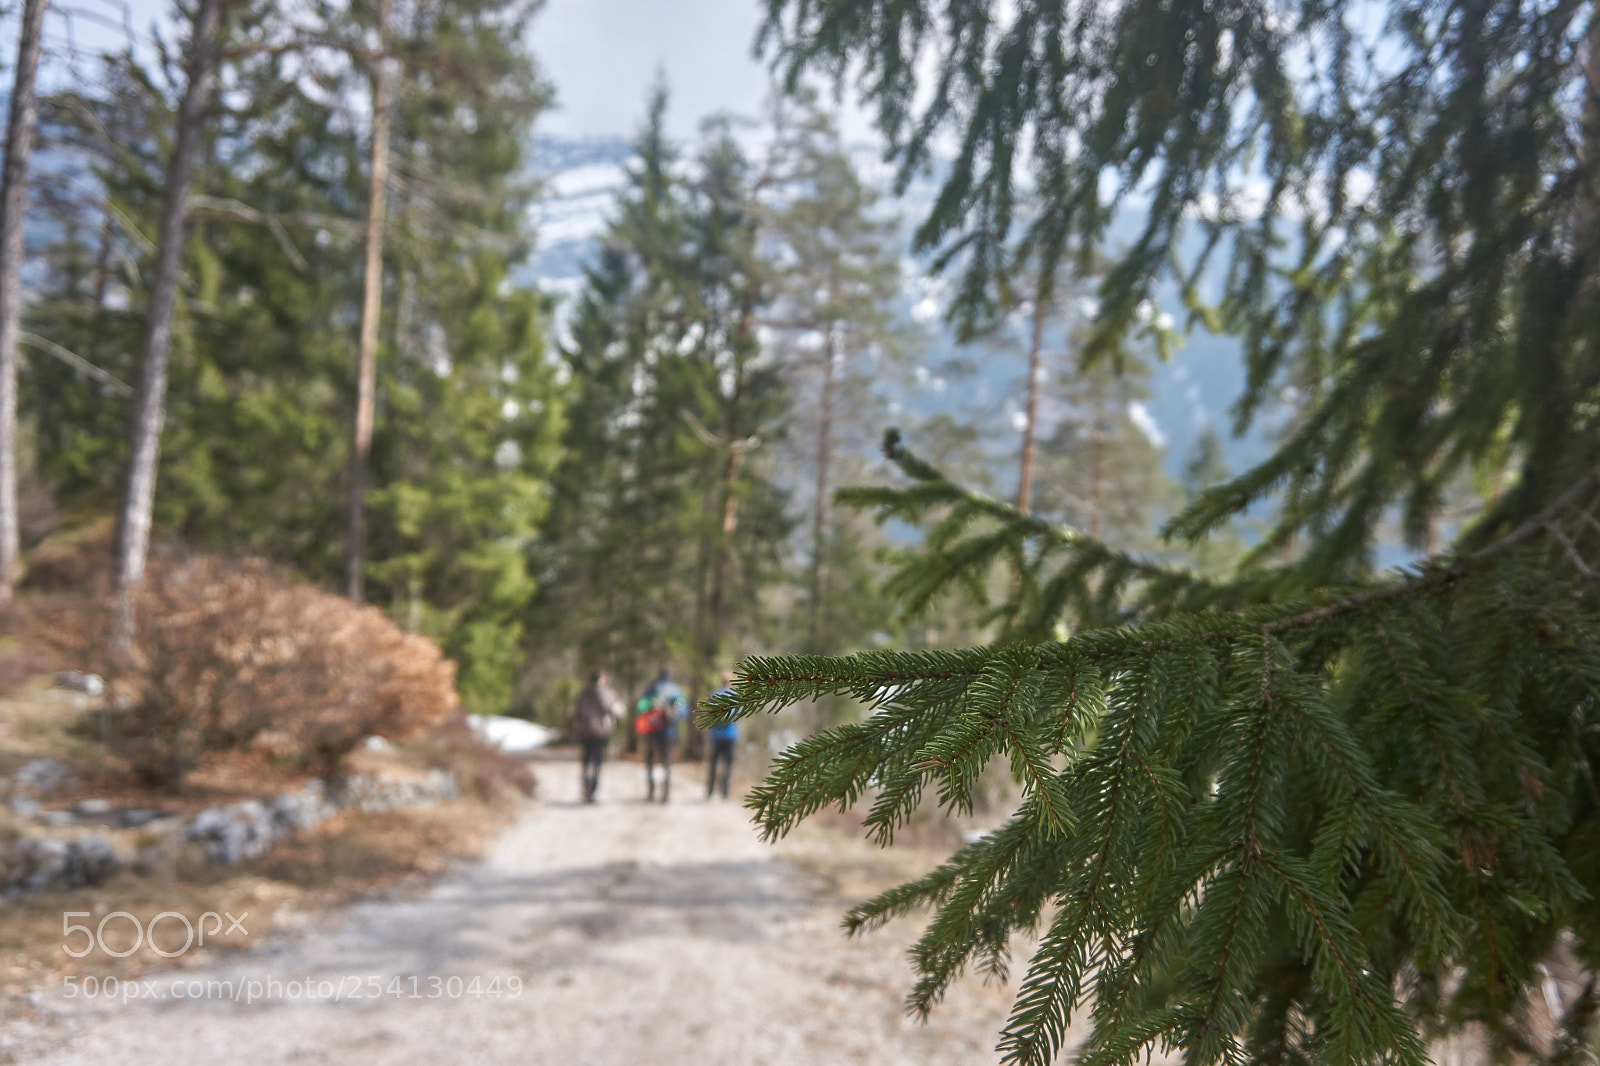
<point x="594" y="718"/>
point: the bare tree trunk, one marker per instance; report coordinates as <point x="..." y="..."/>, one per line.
<point x="371" y="308"/>
<point x="102" y="266"/>
<point x="730" y="526"/>
<point x="819" y="517"/>
<point x="714" y="598"/>
<point x="711" y="636"/>
<point x="1097" y="485"/>
<point x="13" y="204"/>
<point x="1031" y="413"/>
<point x="133" y="541"/>
<point x="1589" y="140"/>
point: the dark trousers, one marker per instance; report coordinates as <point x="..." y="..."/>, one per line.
<point x="594" y="753"/>
<point x="658" y="749"/>
<point x="721" y="754"/>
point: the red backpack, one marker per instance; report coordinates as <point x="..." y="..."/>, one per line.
<point x="652" y="721"/>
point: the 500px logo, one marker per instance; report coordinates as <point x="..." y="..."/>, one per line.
<point x="195" y="933"/>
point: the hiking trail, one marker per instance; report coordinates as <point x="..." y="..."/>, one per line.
<point x="659" y="934"/>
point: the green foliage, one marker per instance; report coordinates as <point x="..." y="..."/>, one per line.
<point x="672" y="414"/>
<point x="1310" y="814"/>
<point x="833" y="257"/>
<point x="1097" y="471"/>
<point x="256" y="447"/>
<point x="1318" y="828"/>
<point x="1061" y="571"/>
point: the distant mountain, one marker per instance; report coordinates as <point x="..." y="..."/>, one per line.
<point x="581" y="178"/>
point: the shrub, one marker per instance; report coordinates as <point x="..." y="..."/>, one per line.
<point x="231" y="657"/>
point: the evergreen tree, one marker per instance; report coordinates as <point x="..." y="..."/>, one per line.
<point x="1101" y="473"/>
<point x="836" y="275"/>
<point x="371" y="306"/>
<point x="471" y="412"/>
<point x="1309" y="812"/>
<point x="610" y="559"/>
<point x="256" y="441"/>
<point x="664" y="522"/>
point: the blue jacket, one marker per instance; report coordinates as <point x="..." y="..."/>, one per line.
<point x="729" y="731"/>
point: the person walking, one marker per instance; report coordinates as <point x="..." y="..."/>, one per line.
<point x="724" y="739"/>
<point x="594" y="716"/>
<point x="661" y="708"/>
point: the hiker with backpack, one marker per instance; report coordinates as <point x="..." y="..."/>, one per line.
<point x="660" y="709"/>
<point x="594" y="716"/>
<point x="724" y="739"/>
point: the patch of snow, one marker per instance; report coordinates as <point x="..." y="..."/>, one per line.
<point x="513" y="735"/>
<point x="1145" y="422"/>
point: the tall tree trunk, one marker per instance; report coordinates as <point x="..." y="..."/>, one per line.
<point x="712" y="641"/>
<point x="133" y="540"/>
<point x="13" y="204"/>
<point x="371" y="308"/>
<point x="711" y="629"/>
<point x="1097" y="476"/>
<point x="102" y="267"/>
<point x="1588" y="148"/>
<point x="819" y="516"/>
<point x="1031" y="412"/>
<point x="719" y="560"/>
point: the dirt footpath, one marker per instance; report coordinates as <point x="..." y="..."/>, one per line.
<point x="606" y="935"/>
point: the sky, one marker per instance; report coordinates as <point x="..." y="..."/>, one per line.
<point x="602" y="55"/>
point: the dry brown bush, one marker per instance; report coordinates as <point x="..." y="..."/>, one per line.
<point x="228" y="656"/>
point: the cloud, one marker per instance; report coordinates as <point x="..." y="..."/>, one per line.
<point x="603" y="56"/>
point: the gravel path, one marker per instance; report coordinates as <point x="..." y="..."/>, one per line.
<point x="640" y="933"/>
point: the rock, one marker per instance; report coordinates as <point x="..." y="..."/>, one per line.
<point x="36" y="864"/>
<point x="93" y="807"/>
<point x="57" y="819"/>
<point x="23" y="807"/>
<point x="296" y="812"/>
<point x="97" y="856"/>
<point x="88" y="684"/>
<point x="375" y="795"/>
<point x="133" y="819"/>
<point x="375" y="743"/>
<point x="42" y="775"/>
<point x="234" y="833"/>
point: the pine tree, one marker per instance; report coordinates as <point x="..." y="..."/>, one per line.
<point x="664" y="524"/>
<point x="256" y="437"/>
<point x="613" y="573"/>
<point x="471" y="413"/>
<point x="80" y="305"/>
<point x="1100" y="472"/>
<point x="1309" y="812"/>
<point x="836" y="275"/>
